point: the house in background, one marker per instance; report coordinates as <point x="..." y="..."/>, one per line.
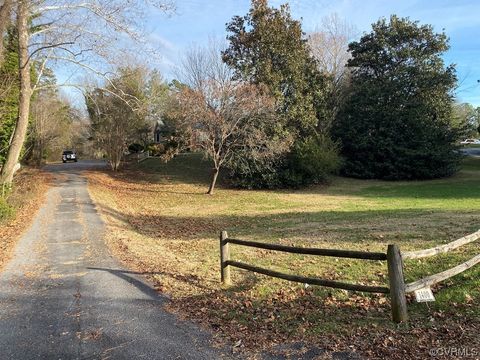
<point x="159" y="132"/>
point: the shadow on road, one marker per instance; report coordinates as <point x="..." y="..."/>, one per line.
<point x="127" y="276"/>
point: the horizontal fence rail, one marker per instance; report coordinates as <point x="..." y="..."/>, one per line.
<point x="312" y="251"/>
<point x="444" y="275"/>
<point x="396" y="290"/>
<point x="441" y="248"/>
<point x="143" y="156"/>
<point x="308" y="280"/>
<point x="394" y="258"/>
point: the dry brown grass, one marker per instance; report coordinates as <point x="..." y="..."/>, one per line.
<point x="164" y="226"/>
<point x="28" y="192"/>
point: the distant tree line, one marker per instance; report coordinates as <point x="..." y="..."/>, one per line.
<point x="38" y="36"/>
<point x="53" y="123"/>
<point x="123" y="112"/>
<point x="272" y="107"/>
<point x="381" y="107"/>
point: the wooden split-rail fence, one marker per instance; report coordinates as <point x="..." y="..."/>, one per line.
<point x="143" y="156"/>
<point x="394" y="258"/>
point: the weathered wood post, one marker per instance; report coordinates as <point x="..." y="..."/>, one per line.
<point x="397" y="284"/>
<point x="224" y="257"/>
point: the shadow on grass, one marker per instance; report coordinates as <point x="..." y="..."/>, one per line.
<point x="325" y="322"/>
<point x="347" y="227"/>
<point x="194" y="169"/>
<point x="287" y="314"/>
<point x="451" y="189"/>
<point x="132" y="277"/>
<point x="290" y="312"/>
<point x="304" y="319"/>
<point x="185" y="168"/>
<point x="307" y="321"/>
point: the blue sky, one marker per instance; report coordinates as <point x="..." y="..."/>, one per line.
<point x="197" y="20"/>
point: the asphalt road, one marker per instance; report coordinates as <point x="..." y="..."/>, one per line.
<point x="63" y="296"/>
<point x="475" y="152"/>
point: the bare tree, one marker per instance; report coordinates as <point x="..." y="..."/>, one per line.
<point x="222" y="116"/>
<point x="87" y="35"/>
<point x="52" y="126"/>
<point x="329" y="46"/>
<point x="223" y="119"/>
<point x="117" y="121"/>
<point x="203" y="64"/>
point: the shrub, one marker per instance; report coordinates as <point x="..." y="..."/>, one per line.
<point x="5" y="209"/>
<point x="309" y="161"/>
<point x="135" y="148"/>
<point x="248" y="172"/>
<point x="156" y="149"/>
<point x="312" y="161"/>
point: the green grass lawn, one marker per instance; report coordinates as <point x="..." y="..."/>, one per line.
<point x="365" y="214"/>
<point x="163" y="223"/>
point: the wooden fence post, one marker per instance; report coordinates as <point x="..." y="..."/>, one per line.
<point x="397" y="284"/>
<point x="224" y="256"/>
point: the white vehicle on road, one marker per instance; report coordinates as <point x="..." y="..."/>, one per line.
<point x="470" y="142"/>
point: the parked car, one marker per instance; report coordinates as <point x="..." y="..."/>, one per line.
<point x="470" y="142"/>
<point x="69" y="155"/>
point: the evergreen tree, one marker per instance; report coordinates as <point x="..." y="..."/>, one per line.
<point x="267" y="47"/>
<point x="9" y="92"/>
<point x="397" y="121"/>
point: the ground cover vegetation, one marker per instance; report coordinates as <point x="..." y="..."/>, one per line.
<point x="163" y="226"/>
<point x="272" y="116"/>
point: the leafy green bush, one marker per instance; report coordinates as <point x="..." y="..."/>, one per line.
<point x="249" y="172"/>
<point x="135" y="148"/>
<point x="309" y="161"/>
<point x="156" y="149"/>
<point x="312" y="161"/>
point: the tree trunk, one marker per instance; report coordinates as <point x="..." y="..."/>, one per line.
<point x="6" y="176"/>
<point x="115" y="159"/>
<point x="39" y="159"/>
<point x="214" y="181"/>
<point x="5" y="11"/>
